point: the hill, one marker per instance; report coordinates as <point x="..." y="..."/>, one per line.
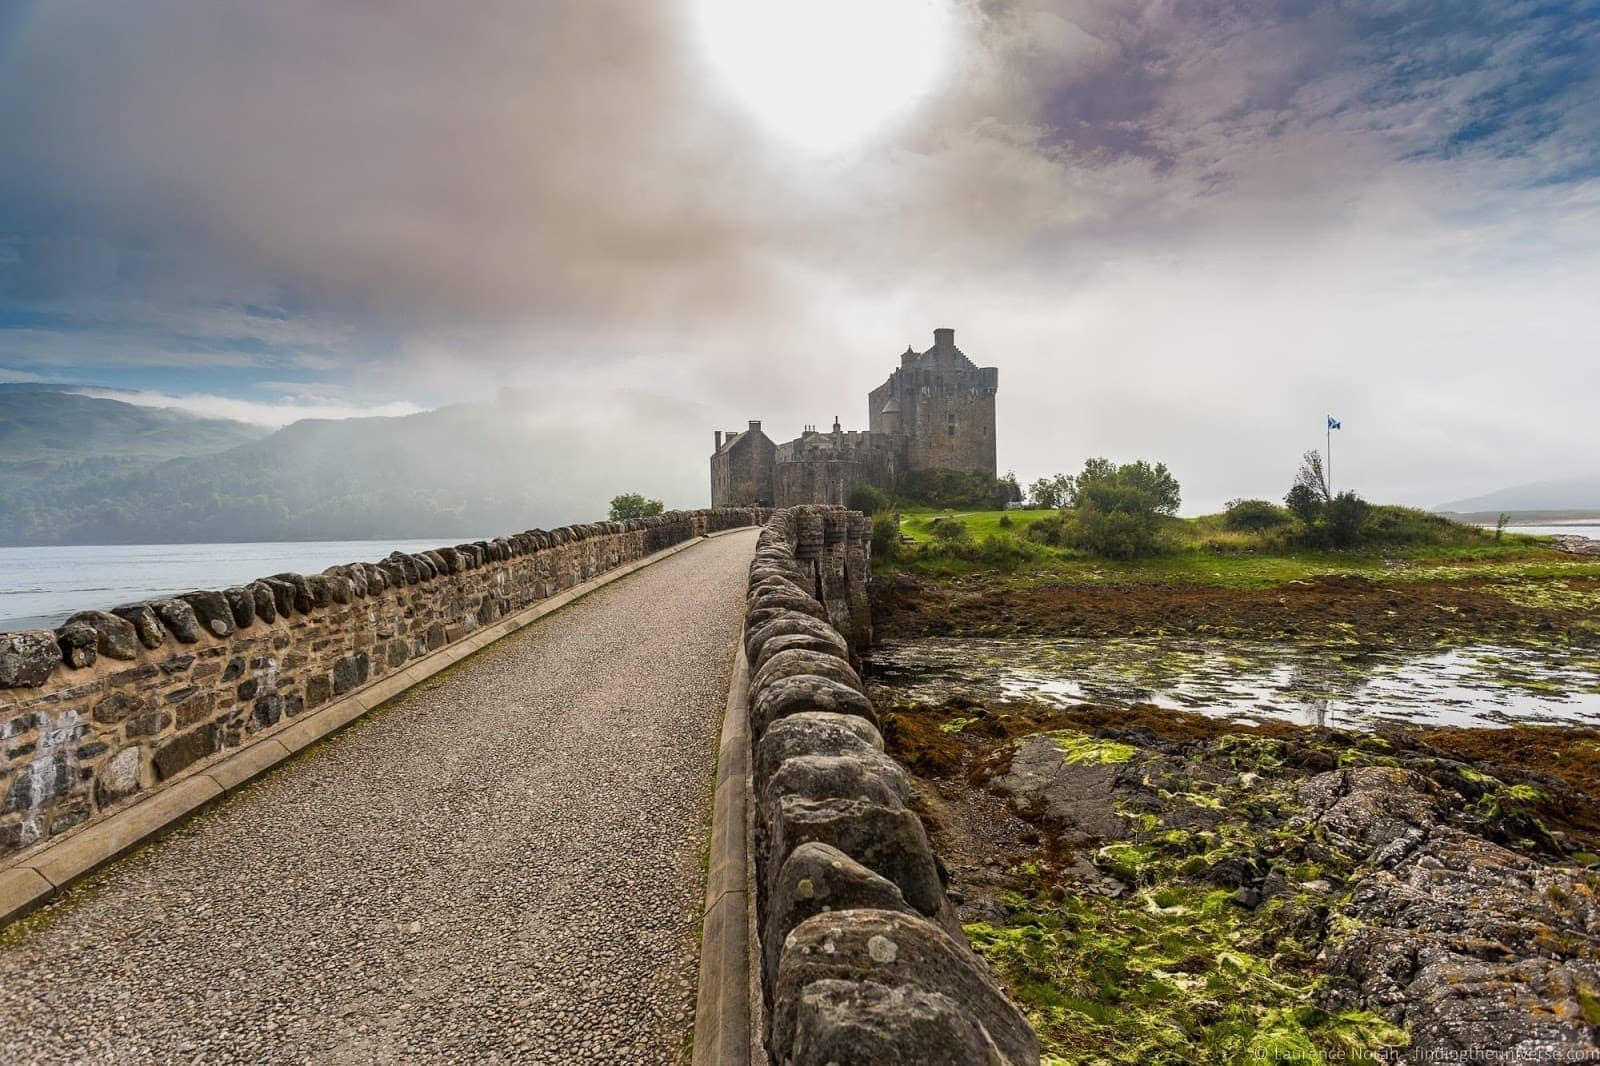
<point x="45" y="424"/>
<point x="1565" y="494"/>
<point x="467" y="470"/>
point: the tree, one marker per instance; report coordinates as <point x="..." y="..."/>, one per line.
<point x="868" y="499"/>
<point x="632" y="505"/>
<point x="1010" y="489"/>
<point x="1155" y="482"/>
<point x="1116" y="520"/>
<point x="1049" y="492"/>
<point x="1312" y="475"/>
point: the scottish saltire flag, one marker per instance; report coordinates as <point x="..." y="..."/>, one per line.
<point x="1333" y="423"/>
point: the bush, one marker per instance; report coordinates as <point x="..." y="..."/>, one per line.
<point x="1343" y="518"/>
<point x="868" y="499"/>
<point x="1254" y="516"/>
<point x="1005" y="550"/>
<point x="1055" y="531"/>
<point x="950" y="531"/>
<point x="1304" y="503"/>
<point x="1115" y="534"/>
<point x="885" y="537"/>
<point x="1005" y="522"/>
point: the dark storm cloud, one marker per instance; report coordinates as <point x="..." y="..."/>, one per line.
<point x="1213" y="212"/>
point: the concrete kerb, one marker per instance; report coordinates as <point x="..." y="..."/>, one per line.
<point x="722" y="1006"/>
<point x="31" y="878"/>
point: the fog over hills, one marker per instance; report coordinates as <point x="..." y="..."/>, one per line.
<point x="49" y="423"/>
<point x="1562" y="494"/>
<point x="467" y="470"/>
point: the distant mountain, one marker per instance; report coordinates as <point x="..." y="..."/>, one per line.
<point x="1566" y="494"/>
<point x="45" y="423"/>
<point x="464" y="471"/>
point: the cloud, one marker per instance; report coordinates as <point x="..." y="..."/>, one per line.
<point x="275" y="414"/>
<point x="1162" y="221"/>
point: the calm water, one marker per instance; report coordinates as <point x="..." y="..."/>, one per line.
<point x="1590" y="530"/>
<point x="40" y="587"/>
<point x="1476" y="685"/>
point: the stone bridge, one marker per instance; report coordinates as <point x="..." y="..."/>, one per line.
<point x="457" y="805"/>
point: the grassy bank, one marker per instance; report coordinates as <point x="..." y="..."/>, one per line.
<point x="1201" y="552"/>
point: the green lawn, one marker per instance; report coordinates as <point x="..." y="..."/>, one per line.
<point x="1197" y="551"/>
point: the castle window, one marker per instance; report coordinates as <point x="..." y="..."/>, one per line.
<point x="950" y="425"/>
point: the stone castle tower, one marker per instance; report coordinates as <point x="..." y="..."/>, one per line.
<point x="942" y="404"/>
<point x="936" y="412"/>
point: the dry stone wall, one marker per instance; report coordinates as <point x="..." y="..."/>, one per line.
<point x="115" y="703"/>
<point x="862" y="957"/>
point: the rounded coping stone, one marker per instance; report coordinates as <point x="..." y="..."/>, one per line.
<point x="798" y="661"/>
<point x="808" y="693"/>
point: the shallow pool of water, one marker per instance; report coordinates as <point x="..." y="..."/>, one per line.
<point x="1473" y="685"/>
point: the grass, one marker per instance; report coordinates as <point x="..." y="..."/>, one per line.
<point x="1200" y="552"/>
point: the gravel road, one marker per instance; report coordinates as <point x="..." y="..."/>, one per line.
<point x="503" y="864"/>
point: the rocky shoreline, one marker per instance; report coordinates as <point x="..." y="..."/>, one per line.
<point x="1151" y="881"/>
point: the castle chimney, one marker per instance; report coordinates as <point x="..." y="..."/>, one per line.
<point x="719" y="440"/>
<point x="755" y="426"/>
<point x="944" y="338"/>
<point x="836" y="424"/>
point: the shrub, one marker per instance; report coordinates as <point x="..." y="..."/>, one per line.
<point x="1343" y="518"/>
<point x="1005" y="550"/>
<point x="1005" y="522"/>
<point x="950" y="531"/>
<point x="1115" y="534"/>
<point x="1253" y="516"/>
<point x="1055" y="530"/>
<point x="1304" y="503"/>
<point x="885" y="537"/>
<point x="868" y="499"/>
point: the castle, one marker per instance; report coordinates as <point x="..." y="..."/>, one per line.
<point x="936" y="412"/>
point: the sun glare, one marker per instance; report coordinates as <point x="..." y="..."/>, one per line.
<point x="825" y="73"/>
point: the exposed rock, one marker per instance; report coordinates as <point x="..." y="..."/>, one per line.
<point x="27" y="658"/>
<point x="893" y="951"/>
<point x="816" y="879"/>
<point x="118" y="706"/>
<point x="1078" y="799"/>
<point x="118" y="776"/>
<point x="185" y="749"/>
<point x="77" y="644"/>
<point x="116" y="638"/>
<point x="212" y="611"/>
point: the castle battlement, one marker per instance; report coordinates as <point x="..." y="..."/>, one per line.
<point x="935" y="412"/>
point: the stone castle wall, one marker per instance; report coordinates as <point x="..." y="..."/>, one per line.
<point x="861" y="956"/>
<point x="116" y="703"/>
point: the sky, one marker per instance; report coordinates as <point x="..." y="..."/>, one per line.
<point x="1184" y="230"/>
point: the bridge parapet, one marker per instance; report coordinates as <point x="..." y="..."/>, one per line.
<point x="861" y="955"/>
<point x="115" y="704"/>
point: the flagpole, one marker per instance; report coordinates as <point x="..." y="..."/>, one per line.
<point x="1329" y="419"/>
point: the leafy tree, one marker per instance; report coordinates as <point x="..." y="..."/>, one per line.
<point x="1117" y="520"/>
<point x="1050" y="492"/>
<point x="633" y="505"/>
<point x="868" y="499"/>
<point x="1155" y="482"/>
<point x="885" y="536"/>
<point x="1010" y="489"/>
